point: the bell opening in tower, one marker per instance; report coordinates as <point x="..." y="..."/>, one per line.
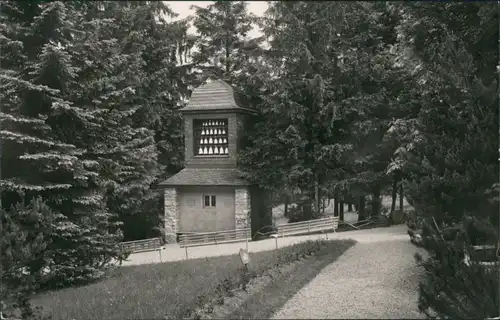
<point x="210" y="137"/>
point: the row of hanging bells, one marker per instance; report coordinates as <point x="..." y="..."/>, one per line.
<point x="212" y="123"/>
<point x="212" y="131"/>
<point x="212" y="141"/>
<point x="215" y="150"/>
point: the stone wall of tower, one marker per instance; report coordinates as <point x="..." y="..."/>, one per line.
<point x="242" y="207"/>
<point x="172" y="212"/>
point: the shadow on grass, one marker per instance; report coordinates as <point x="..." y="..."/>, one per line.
<point x="265" y="303"/>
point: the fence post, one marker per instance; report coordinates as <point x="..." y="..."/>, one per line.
<point x="186" y="248"/>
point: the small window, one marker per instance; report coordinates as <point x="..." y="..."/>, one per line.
<point x="210" y="137"/>
<point x="209" y="201"/>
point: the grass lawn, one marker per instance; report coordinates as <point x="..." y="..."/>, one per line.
<point x="175" y="289"/>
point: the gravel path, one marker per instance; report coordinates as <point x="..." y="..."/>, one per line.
<point x="172" y="252"/>
<point x="370" y="280"/>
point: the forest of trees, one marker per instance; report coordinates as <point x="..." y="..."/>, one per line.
<point x="355" y="100"/>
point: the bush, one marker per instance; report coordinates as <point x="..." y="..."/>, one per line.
<point x="413" y="221"/>
<point x="265" y="232"/>
<point x="295" y="214"/>
<point x="24" y="238"/>
<point x="453" y="289"/>
<point x="39" y="251"/>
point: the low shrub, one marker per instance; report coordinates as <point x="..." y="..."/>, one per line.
<point x="264" y="232"/>
<point x="453" y="289"/>
<point x="24" y="237"/>
<point x="295" y="215"/>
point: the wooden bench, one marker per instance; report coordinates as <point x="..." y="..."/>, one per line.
<point x="193" y="239"/>
<point x="478" y="249"/>
<point x="305" y="227"/>
<point x="144" y="245"/>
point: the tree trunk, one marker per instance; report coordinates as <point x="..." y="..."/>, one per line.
<point x="307" y="210"/>
<point x="361" y="208"/>
<point x="341" y="210"/>
<point x="286" y="207"/>
<point x="394" y="194"/>
<point x="376" y="202"/>
<point x="349" y="207"/>
<point x="336" y="206"/>
<point x="307" y="207"/>
<point x="317" y="196"/>
<point x="227" y="63"/>
<point x="401" y="198"/>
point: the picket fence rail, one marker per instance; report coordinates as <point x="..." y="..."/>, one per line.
<point x="142" y="245"/>
<point x="305" y="227"/>
<point x="194" y="239"/>
<point x="191" y="239"/>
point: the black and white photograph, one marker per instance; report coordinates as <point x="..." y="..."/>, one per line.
<point x="249" y="160"/>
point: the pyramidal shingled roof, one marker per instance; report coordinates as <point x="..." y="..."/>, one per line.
<point x="205" y="177"/>
<point x="215" y="95"/>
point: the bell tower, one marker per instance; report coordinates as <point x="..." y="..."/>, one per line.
<point x="212" y="138"/>
<point x="213" y="122"/>
<point x="208" y="195"/>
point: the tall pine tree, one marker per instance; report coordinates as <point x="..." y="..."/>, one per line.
<point x="39" y="130"/>
<point x="303" y="86"/>
<point x="455" y="153"/>
<point x="136" y="86"/>
<point x="224" y="48"/>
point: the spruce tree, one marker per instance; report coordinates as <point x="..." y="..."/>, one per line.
<point x="167" y="79"/>
<point x="453" y="160"/>
<point x="303" y="138"/>
<point x="27" y="233"/>
<point x="134" y="86"/>
<point x="41" y="128"/>
<point x="224" y="47"/>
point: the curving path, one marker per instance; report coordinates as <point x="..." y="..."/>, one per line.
<point x="172" y="252"/>
<point x="376" y="278"/>
<point x="370" y="281"/>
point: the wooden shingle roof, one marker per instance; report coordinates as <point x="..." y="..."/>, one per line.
<point x="215" y="95"/>
<point x="205" y="177"/>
